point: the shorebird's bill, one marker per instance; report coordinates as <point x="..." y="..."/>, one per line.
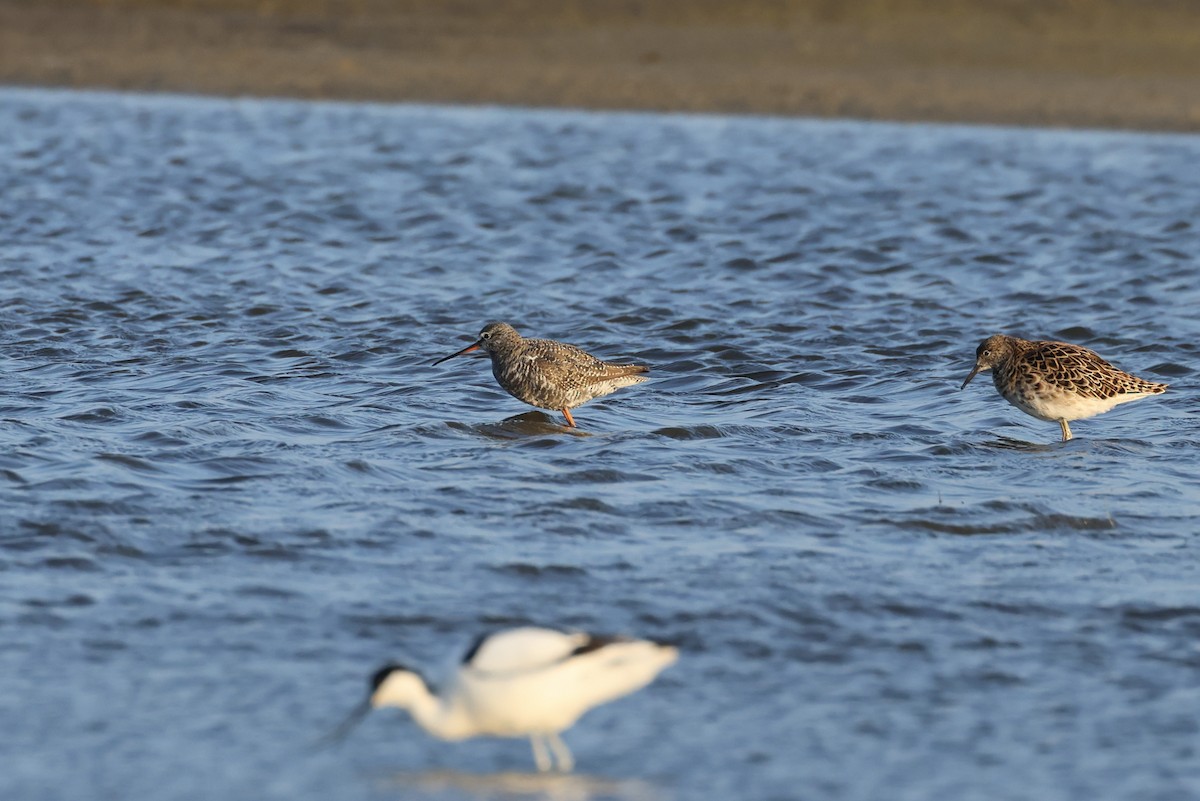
<point x="346" y="726"/>
<point x="974" y="373"/>
<point x="467" y="349"/>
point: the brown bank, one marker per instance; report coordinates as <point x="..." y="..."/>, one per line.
<point x="1103" y="63"/>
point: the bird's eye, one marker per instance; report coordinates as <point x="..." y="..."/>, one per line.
<point x="485" y="335"/>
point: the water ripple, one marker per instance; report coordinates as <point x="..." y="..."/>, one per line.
<point x="233" y="483"/>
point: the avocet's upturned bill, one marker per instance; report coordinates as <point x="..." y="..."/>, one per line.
<point x="525" y="682"/>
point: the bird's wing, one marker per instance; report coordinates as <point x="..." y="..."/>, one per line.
<point x="564" y="364"/>
<point x="1077" y="369"/>
<point x="549" y="351"/>
<point x="522" y="650"/>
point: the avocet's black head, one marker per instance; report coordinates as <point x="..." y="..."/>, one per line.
<point x="381" y="675"/>
<point x="392" y="685"/>
<point x="397" y="685"/>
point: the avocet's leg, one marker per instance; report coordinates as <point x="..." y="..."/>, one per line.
<point x="566" y="762"/>
<point x="1066" y="430"/>
<point x="541" y="757"/>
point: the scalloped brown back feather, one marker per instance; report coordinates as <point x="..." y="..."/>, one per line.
<point x="1072" y="368"/>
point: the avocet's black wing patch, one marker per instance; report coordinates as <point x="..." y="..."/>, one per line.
<point x="595" y="642"/>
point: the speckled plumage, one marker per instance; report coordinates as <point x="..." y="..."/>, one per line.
<point x="549" y="374"/>
<point x="1056" y="381"/>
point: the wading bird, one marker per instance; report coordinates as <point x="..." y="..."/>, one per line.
<point x="524" y="682"/>
<point x="549" y="374"/>
<point x="1056" y="381"/>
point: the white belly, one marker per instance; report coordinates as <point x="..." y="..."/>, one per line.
<point x="1056" y="405"/>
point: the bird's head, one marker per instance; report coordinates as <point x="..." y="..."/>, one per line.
<point x="391" y="685"/>
<point x="396" y="685"/>
<point x="495" y="337"/>
<point x="990" y="352"/>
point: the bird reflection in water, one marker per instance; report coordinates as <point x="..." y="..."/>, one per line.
<point x="516" y="786"/>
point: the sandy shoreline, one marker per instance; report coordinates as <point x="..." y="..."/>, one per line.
<point x="1110" y="63"/>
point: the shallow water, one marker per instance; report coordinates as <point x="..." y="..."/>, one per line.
<point x="232" y="484"/>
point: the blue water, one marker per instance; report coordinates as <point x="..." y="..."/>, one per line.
<point x="232" y="485"/>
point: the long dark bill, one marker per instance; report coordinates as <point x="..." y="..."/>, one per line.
<point x="346" y="726"/>
<point x="467" y="349"/>
<point x="972" y="375"/>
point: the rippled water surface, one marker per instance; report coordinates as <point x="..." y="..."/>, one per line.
<point x="231" y="484"/>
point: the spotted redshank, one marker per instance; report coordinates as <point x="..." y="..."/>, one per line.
<point x="549" y="374"/>
<point x="1056" y="380"/>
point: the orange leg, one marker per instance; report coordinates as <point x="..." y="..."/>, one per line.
<point x="570" y="419"/>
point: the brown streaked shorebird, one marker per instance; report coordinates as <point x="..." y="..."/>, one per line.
<point x="1056" y="381"/>
<point x="549" y="374"/>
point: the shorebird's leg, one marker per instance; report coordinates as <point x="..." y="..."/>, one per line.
<point x="541" y="757"/>
<point x="1066" y="429"/>
<point x="570" y="419"/>
<point x="566" y="762"/>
